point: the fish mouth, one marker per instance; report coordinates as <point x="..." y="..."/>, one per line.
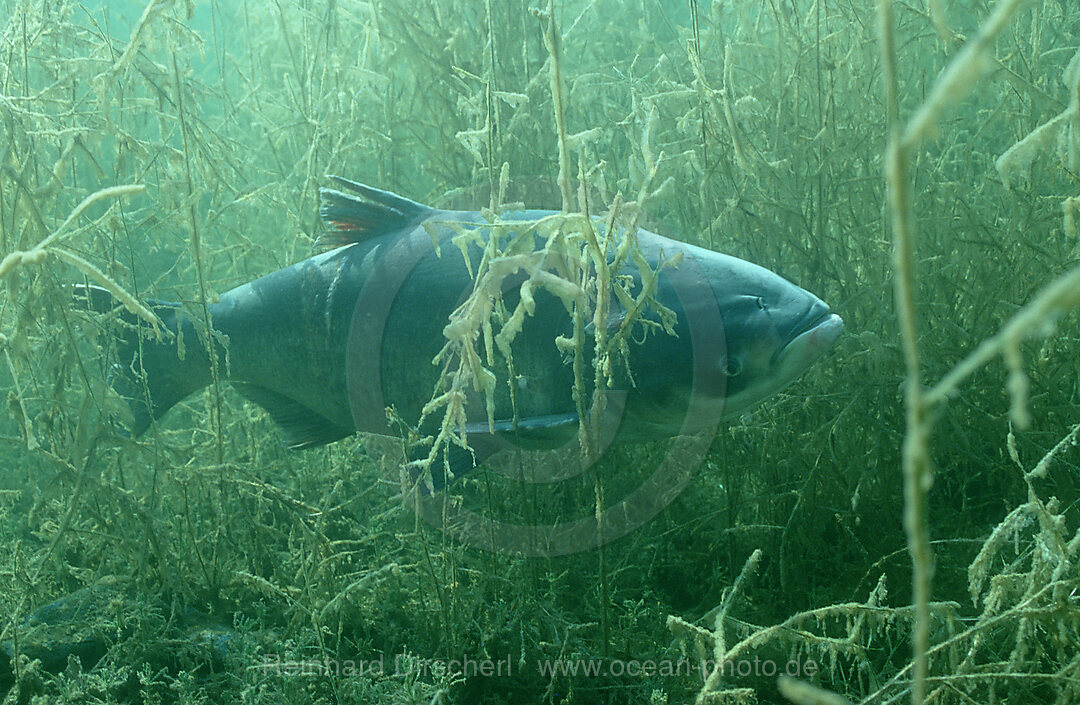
<point x="815" y="332"/>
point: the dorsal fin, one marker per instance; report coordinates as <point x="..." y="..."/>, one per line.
<point x="351" y="219"/>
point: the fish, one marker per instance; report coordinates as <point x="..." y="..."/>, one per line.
<point x="83" y="625"/>
<point x="327" y="345"/>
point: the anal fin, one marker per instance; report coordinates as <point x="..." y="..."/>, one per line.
<point x="301" y="427"/>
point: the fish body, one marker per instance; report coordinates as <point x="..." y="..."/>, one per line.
<point x="327" y="344"/>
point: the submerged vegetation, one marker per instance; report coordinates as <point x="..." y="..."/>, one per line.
<point x="901" y="524"/>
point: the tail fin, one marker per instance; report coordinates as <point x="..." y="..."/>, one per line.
<point x="151" y="375"/>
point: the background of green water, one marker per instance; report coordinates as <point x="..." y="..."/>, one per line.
<point x="293" y="549"/>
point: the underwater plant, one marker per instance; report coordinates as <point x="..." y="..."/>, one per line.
<point x="906" y="518"/>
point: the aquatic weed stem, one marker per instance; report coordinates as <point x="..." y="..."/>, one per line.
<point x="916" y="465"/>
<point x="953" y="84"/>
<point x="552" y="41"/>
<point x="196" y="250"/>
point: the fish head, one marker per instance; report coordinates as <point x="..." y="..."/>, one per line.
<point x="743" y="334"/>
<point x="773" y="331"/>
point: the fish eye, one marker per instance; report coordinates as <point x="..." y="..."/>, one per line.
<point x="732" y="367"/>
<point x="761" y="302"/>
